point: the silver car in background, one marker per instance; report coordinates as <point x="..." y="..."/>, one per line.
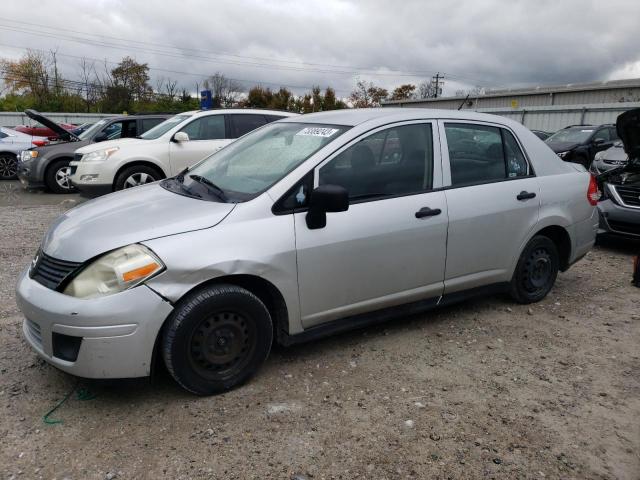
<point x="305" y="227"/>
<point x="12" y="143"/>
<point x="613" y="157"/>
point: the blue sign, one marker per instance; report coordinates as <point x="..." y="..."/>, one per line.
<point x="206" y="101"/>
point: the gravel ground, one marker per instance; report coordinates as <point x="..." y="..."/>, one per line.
<point x="484" y="389"/>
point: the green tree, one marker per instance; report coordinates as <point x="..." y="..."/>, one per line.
<point x="128" y="83"/>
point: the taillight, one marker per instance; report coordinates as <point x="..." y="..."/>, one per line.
<point x="593" y="194"/>
<point x="39" y="143"/>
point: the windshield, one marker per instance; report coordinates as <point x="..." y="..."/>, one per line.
<point x="95" y="128"/>
<point x="572" y="135"/>
<point x="258" y="160"/>
<point x="164" y="127"/>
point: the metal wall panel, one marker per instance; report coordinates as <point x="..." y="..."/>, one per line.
<point x="12" y="119"/>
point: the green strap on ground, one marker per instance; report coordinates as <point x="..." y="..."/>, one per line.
<point x="82" y="394"/>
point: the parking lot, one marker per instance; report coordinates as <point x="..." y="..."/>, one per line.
<point x="483" y="389"/>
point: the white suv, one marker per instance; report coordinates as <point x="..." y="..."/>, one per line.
<point x="163" y="151"/>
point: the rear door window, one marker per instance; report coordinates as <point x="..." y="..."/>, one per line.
<point x="120" y="129"/>
<point x="149" y="123"/>
<point x="210" y="127"/>
<point x="244" y="123"/>
<point x="483" y="154"/>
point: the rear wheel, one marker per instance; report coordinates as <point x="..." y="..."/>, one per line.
<point x="136" y="175"/>
<point x="57" y="178"/>
<point x="536" y="271"/>
<point x="8" y="166"/>
<point x="216" y="339"/>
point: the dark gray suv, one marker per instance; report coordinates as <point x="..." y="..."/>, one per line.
<point x="48" y="166"/>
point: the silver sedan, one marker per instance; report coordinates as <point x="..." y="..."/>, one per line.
<point x="305" y="227"/>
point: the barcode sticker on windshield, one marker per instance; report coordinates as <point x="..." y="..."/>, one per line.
<point x="317" y="131"/>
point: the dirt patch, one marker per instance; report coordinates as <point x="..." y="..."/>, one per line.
<point x="483" y="389"/>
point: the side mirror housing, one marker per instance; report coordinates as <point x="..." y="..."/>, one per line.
<point x="598" y="141"/>
<point x="101" y="137"/>
<point x="326" y="198"/>
<point x="180" y="137"/>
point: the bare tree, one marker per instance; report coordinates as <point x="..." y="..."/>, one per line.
<point x="171" y="89"/>
<point x="225" y="91"/>
<point x="89" y="84"/>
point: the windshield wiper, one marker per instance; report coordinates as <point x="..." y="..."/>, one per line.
<point x="205" y="181"/>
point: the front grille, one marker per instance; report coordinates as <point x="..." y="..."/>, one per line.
<point x="51" y="272"/>
<point x="624" y="227"/>
<point x="33" y="329"/>
<point x="629" y="195"/>
<point x="614" y="162"/>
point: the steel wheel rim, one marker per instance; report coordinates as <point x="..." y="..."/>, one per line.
<point x="538" y="270"/>
<point x="8" y="167"/>
<point x="62" y="177"/>
<point x="222" y="345"/>
<point x="137" y="179"/>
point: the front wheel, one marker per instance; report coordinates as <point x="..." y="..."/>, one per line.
<point x="536" y="271"/>
<point x="135" y="176"/>
<point x="58" y="176"/>
<point x="216" y="339"/>
<point x="8" y="166"/>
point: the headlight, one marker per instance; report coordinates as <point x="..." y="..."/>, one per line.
<point x="28" y="155"/>
<point x="599" y="155"/>
<point x="115" y="272"/>
<point x="562" y="154"/>
<point x="99" y="155"/>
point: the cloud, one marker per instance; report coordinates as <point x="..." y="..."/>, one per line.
<point x="302" y="43"/>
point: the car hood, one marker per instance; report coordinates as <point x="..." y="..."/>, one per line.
<point x="628" y="127"/>
<point x="561" y="146"/>
<point x="614" y="153"/>
<point x="47" y="122"/>
<point x="61" y="147"/>
<point x="119" y="142"/>
<point x="129" y="216"/>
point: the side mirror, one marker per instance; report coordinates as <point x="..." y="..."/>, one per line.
<point x="326" y="198"/>
<point x="179" y="137"/>
<point x="598" y="141"/>
<point x="101" y="137"/>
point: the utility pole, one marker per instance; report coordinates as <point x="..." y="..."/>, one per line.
<point x="435" y="81"/>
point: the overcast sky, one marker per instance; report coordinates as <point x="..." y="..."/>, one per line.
<point x="298" y="44"/>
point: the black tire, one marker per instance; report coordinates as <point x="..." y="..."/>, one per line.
<point x="234" y="326"/>
<point x="8" y="166"/>
<point x="143" y="173"/>
<point x="536" y="271"/>
<point x="57" y="176"/>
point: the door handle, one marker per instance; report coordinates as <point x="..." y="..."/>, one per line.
<point x="428" y="212"/>
<point x="525" y="195"/>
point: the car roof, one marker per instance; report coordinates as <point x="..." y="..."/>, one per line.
<point x="218" y="111"/>
<point x="357" y="116"/>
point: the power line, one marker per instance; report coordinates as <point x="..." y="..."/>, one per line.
<point x="181" y="48"/>
<point x="268" y="66"/>
<point x="178" y="72"/>
<point x="350" y="69"/>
